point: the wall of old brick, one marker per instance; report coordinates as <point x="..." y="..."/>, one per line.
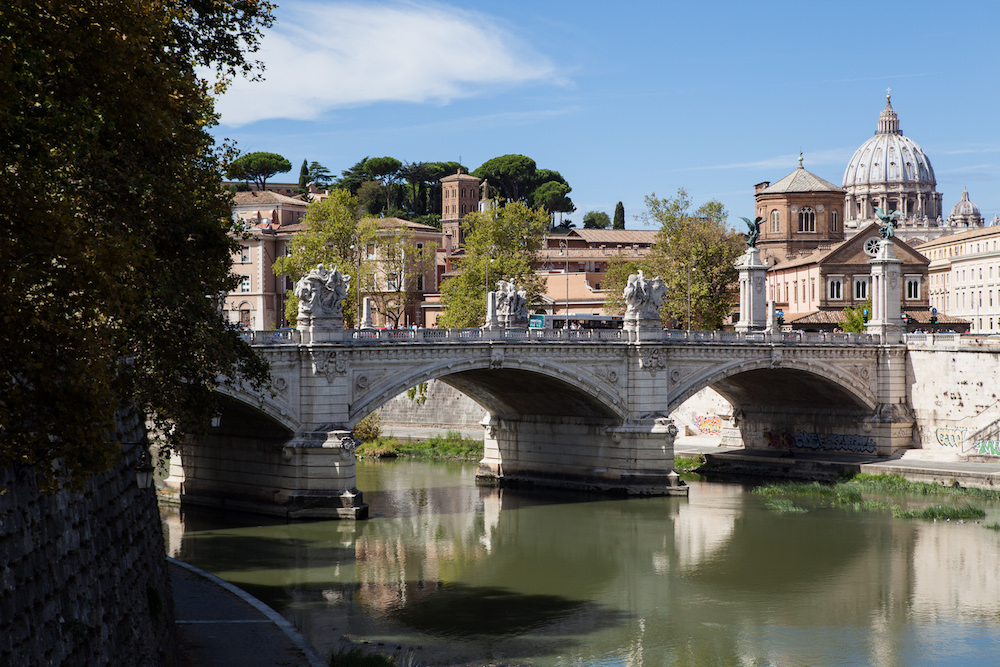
<point x="83" y="576"/>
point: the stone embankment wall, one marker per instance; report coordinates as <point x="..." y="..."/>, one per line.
<point x="83" y="577"/>
<point x="956" y="400"/>
<point x="445" y="407"/>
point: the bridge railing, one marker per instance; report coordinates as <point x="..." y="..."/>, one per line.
<point x="950" y="341"/>
<point x="382" y="336"/>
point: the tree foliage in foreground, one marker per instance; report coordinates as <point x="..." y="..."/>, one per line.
<point x="501" y="244"/>
<point x="117" y="234"/>
<point x="695" y="254"/>
<point x="856" y="317"/>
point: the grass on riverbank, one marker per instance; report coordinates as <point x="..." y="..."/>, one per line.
<point x="688" y="463"/>
<point x="451" y="446"/>
<point x="850" y="494"/>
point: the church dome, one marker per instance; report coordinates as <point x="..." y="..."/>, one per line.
<point x="965" y="208"/>
<point x="965" y="213"/>
<point x="889" y="158"/>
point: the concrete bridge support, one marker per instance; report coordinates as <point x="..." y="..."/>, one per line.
<point x="570" y="452"/>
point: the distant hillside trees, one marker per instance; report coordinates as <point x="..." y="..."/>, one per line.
<point x="257" y="167"/>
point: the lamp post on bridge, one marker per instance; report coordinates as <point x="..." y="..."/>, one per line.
<point x="564" y="250"/>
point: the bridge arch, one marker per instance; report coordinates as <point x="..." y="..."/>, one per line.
<point x="527" y="387"/>
<point x="793" y="383"/>
<point x="258" y="405"/>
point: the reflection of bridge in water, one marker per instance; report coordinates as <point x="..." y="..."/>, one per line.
<point x="583" y="409"/>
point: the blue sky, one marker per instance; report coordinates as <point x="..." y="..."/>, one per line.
<point x="628" y="99"/>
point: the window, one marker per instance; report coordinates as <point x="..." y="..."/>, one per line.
<point x="836" y="285"/>
<point x="834" y="221"/>
<point x="913" y="288"/>
<point x="420" y="283"/>
<point x="392" y="282"/>
<point x="244" y="284"/>
<point x="807" y="219"/>
<point x="244" y="254"/>
<point x="775" y="220"/>
<point x="860" y="289"/>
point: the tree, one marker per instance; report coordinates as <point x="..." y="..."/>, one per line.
<point x="856" y="317"/>
<point x="399" y="266"/>
<point x="596" y="220"/>
<point x="696" y="256"/>
<point x="553" y="197"/>
<point x="303" y="179"/>
<point x="385" y="170"/>
<point x="514" y="175"/>
<point x="319" y="175"/>
<point x="335" y="236"/>
<point x="619" y="222"/>
<point x="104" y="123"/>
<point x="258" y="167"/>
<point x="501" y="243"/>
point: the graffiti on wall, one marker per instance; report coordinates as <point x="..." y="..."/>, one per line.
<point x="708" y="424"/>
<point x="818" y="442"/>
<point x="987" y="448"/>
<point x="950" y="437"/>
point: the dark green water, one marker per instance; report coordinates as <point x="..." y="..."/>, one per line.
<point x="478" y="576"/>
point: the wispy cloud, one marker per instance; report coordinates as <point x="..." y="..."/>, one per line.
<point x="326" y="56"/>
<point x="838" y="156"/>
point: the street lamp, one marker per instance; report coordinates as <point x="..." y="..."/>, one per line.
<point x="357" y="276"/>
<point x="564" y="250"/>
<point x="690" y="266"/>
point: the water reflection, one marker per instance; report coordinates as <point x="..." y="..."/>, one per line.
<point x="475" y="575"/>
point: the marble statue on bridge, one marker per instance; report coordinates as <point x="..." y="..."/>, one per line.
<point x="644" y="298"/>
<point x="512" y="305"/>
<point x="321" y="295"/>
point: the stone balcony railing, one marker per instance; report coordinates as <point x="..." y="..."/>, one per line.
<point x="475" y="335"/>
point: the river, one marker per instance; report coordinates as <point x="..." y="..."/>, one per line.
<point x="460" y="574"/>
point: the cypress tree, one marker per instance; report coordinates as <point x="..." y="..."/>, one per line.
<point x="619" y="222"/>
<point x="303" y="178"/>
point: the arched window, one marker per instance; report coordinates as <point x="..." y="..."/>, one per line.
<point x="807" y="219"/>
<point x="834" y="221"/>
<point x="775" y="220"/>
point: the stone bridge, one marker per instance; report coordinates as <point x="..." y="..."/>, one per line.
<point x="583" y="409"/>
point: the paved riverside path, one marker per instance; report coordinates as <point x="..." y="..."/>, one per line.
<point x="220" y="625"/>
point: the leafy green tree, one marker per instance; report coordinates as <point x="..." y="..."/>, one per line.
<point x="855" y="317"/>
<point x="385" y="170"/>
<point x="596" y="220"/>
<point x="399" y="265"/>
<point x="695" y="255"/>
<point x="513" y="175"/>
<point x="335" y="236"/>
<point x="619" y="222"/>
<point x="620" y="267"/>
<point x="501" y="243"/>
<point x="352" y="177"/>
<point x="319" y="175"/>
<point x="418" y="176"/>
<point x="104" y="125"/>
<point x="553" y="197"/>
<point x="258" y="167"/>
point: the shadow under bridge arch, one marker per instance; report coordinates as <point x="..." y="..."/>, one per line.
<point x="808" y="400"/>
<point x="545" y="392"/>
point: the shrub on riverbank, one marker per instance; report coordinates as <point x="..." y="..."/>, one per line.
<point x="848" y="494"/>
<point x="452" y="446"/>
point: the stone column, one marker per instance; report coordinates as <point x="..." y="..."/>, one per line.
<point x="886" y="321"/>
<point x="752" y="299"/>
<point x="366" y="321"/>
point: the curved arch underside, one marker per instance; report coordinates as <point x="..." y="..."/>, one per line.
<point x="512" y="391"/>
<point x="783" y="388"/>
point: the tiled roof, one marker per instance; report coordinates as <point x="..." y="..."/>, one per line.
<point x="264" y="198"/>
<point x="616" y="236"/>
<point x="958" y="237"/>
<point x="800" y="180"/>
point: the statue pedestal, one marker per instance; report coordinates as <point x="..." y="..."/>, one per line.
<point x="753" y="309"/>
<point x="886" y="321"/>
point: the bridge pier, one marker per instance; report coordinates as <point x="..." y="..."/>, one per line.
<point x="635" y="458"/>
<point x="311" y="476"/>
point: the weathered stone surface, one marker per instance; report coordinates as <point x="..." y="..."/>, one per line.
<point x="83" y="577"/>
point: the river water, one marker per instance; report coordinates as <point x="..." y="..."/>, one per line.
<point x="460" y="574"/>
